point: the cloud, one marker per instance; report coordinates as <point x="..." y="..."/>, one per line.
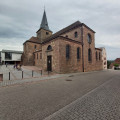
<point x="19" y="20"/>
<point x="11" y="44"/>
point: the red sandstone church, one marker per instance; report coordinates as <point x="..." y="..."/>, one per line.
<point x="71" y="49"/>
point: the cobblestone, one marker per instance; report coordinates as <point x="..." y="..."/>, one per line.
<point x="16" y="76"/>
<point x="102" y="103"/>
<point x="37" y="100"/>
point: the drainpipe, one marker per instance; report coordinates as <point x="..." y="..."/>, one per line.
<point x="82" y="48"/>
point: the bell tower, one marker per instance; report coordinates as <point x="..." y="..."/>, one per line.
<point x="44" y="30"/>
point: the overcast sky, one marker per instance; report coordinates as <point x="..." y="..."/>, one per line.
<point x="20" y="19"/>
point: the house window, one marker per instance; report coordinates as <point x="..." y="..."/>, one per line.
<point x="49" y="47"/>
<point x="35" y="46"/>
<point x="40" y="55"/>
<point x="89" y="55"/>
<point x="47" y="33"/>
<point x="96" y="56"/>
<point x="37" y="55"/>
<point x="89" y="38"/>
<point x="67" y="51"/>
<point x="76" y="34"/>
<point x="99" y="56"/>
<point x="8" y="55"/>
<point x="34" y="56"/>
<point x="78" y="53"/>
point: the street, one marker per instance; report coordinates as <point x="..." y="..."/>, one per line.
<point x="39" y="100"/>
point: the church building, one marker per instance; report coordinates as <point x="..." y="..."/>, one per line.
<point x="71" y="49"/>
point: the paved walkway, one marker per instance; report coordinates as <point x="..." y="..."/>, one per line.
<point x="36" y="79"/>
<point x="21" y="81"/>
<point x="102" y="103"/>
<point x="38" y="100"/>
<point x="16" y="76"/>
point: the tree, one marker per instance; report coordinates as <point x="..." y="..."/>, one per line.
<point x="116" y="65"/>
<point x="109" y="63"/>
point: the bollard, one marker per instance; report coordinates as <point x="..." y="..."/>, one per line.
<point x="41" y="72"/>
<point x="1" y="77"/>
<point x="32" y="73"/>
<point x="9" y="75"/>
<point x="22" y="74"/>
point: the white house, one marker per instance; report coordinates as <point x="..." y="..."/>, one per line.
<point x="10" y="56"/>
<point x="104" y="58"/>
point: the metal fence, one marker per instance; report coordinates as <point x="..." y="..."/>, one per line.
<point x="10" y="73"/>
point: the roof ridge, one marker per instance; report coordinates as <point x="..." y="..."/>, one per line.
<point x="63" y="30"/>
<point x="77" y="22"/>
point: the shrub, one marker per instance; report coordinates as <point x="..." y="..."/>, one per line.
<point x="116" y="65"/>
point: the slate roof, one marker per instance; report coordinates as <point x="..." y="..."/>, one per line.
<point x="59" y="33"/>
<point x="66" y="29"/>
<point x="33" y="40"/>
<point x="44" y="23"/>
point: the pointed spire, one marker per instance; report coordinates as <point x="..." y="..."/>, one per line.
<point x="44" y="23"/>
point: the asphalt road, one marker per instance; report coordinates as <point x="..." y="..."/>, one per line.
<point x="36" y="101"/>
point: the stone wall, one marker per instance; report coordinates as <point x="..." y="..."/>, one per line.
<point x="54" y="53"/>
<point x="93" y="65"/>
<point x="72" y="64"/>
<point x="71" y="34"/>
<point x="59" y="62"/>
<point x="42" y="34"/>
<point x="28" y="56"/>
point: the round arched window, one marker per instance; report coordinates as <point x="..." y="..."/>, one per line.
<point x="76" y="34"/>
<point x="89" y="38"/>
<point x="49" y="47"/>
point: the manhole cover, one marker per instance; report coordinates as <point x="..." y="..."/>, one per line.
<point x="71" y="76"/>
<point x="68" y="80"/>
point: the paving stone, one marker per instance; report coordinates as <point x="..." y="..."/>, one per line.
<point x="37" y="100"/>
<point x="103" y="103"/>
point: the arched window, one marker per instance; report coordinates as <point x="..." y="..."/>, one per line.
<point x="96" y="56"/>
<point x="37" y="55"/>
<point x="99" y="56"/>
<point x="78" y="53"/>
<point x="76" y="34"/>
<point x="89" y="55"/>
<point x="47" y="33"/>
<point x="35" y="46"/>
<point x="89" y="38"/>
<point x="66" y="36"/>
<point x="40" y="55"/>
<point x="49" y="47"/>
<point x="67" y="51"/>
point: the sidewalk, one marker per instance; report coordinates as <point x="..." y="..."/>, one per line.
<point x="41" y="78"/>
<point x="16" y="76"/>
<point x="21" y="81"/>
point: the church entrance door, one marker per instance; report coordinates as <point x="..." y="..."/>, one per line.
<point x="49" y="63"/>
